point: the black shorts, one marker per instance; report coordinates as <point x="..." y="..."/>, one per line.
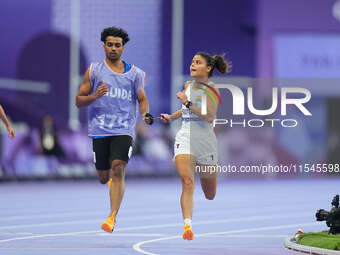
<point x="109" y="148"/>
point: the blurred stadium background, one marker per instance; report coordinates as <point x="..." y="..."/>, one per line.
<point x="46" y="46"/>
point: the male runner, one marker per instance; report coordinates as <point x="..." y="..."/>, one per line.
<point x="110" y="90"/>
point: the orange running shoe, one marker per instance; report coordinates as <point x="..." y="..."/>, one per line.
<point x="109" y="182"/>
<point x="109" y="225"/>
<point x="188" y="234"/>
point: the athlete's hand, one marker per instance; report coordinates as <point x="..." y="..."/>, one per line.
<point x="101" y="90"/>
<point x="166" y="118"/>
<point x="182" y="96"/>
<point x="11" y="133"/>
<point x="148" y="118"/>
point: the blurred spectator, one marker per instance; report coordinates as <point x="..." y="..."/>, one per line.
<point x="3" y="117"/>
<point x="141" y="137"/>
<point x="246" y="147"/>
<point x="152" y="144"/>
<point x="49" y="140"/>
<point x="156" y="146"/>
<point x="152" y="153"/>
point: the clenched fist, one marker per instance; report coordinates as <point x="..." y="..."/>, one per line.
<point x="11" y="133"/>
<point x="182" y="96"/>
<point x="101" y="90"/>
<point x="166" y="118"/>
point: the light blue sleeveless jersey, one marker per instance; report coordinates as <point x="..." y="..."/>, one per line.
<point x="116" y="112"/>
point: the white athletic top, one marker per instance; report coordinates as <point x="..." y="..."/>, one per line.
<point x="196" y="136"/>
<point x="191" y="121"/>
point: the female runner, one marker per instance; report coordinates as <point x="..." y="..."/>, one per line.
<point x="195" y="144"/>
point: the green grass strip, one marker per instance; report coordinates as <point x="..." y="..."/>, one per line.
<point x="320" y="240"/>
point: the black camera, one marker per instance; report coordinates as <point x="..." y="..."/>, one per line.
<point x="332" y="217"/>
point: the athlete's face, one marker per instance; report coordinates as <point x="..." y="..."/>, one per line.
<point x="113" y="48"/>
<point x="199" y="68"/>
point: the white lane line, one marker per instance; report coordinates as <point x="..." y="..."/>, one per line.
<point x="48" y="235"/>
<point x="53" y="215"/>
<point x="46" y="215"/>
<point x="50" y="248"/>
<point x="129" y="234"/>
<point x="252" y="236"/>
<point x="50" y="224"/>
<point x="242" y="219"/>
<point x="15" y="233"/>
<point x="96" y="232"/>
<point x="249" y="218"/>
<point x="71" y="214"/>
<point x="137" y="246"/>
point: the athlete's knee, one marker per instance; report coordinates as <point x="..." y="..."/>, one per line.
<point x="118" y="171"/>
<point x="187" y="182"/>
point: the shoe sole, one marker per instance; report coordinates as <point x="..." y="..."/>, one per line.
<point x="188" y="235"/>
<point x="107" y="227"/>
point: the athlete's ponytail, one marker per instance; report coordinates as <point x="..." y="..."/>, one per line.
<point x="216" y="61"/>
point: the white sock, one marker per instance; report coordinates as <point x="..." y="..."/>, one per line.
<point x="187" y="221"/>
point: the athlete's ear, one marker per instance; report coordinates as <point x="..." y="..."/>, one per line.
<point x="208" y="69"/>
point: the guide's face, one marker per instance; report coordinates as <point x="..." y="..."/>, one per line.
<point x="113" y="48"/>
<point x="199" y="68"/>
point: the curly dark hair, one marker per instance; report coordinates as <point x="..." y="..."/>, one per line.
<point x="116" y="32"/>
